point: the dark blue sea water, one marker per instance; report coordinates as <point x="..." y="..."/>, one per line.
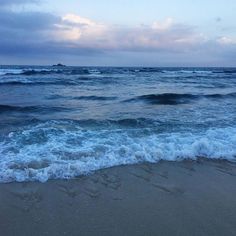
<point x="61" y="122"/>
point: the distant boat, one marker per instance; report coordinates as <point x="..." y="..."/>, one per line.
<point x="59" y="65"/>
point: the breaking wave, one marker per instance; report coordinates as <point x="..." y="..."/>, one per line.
<point x="28" y="72"/>
<point x="62" y="150"/>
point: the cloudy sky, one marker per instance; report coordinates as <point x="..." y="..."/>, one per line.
<point x="118" y="32"/>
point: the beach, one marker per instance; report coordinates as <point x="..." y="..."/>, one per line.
<point x="117" y="120"/>
<point x="167" y="198"/>
<point x="117" y="151"/>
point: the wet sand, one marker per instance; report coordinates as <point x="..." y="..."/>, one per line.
<point x="168" y="198"/>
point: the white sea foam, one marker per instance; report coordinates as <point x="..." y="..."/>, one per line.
<point x="10" y="71"/>
<point x="25" y="70"/>
<point x="55" y="150"/>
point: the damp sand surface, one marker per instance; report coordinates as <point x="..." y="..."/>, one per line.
<point x="167" y="198"/>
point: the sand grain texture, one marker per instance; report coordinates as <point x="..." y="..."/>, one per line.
<point x="168" y="198"/>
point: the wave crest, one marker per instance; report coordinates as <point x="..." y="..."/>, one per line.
<point x="176" y="98"/>
<point x="61" y="150"/>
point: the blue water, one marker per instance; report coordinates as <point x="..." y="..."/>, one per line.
<point x="62" y="122"/>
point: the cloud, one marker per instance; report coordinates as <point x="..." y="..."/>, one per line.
<point x="224" y="40"/>
<point x="26" y="21"/>
<point x="33" y="34"/>
<point x="74" y="28"/>
<point x="166" y="35"/>
<point x="165" y="25"/>
<point x="218" y="19"/>
<point x="40" y="34"/>
<point x="77" y="20"/>
<point x="16" y="2"/>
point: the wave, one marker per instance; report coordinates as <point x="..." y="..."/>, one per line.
<point x="62" y="150"/>
<point x="95" y="98"/>
<point x="86" y="98"/>
<point x="120" y="123"/>
<point x="176" y="98"/>
<point x="106" y="70"/>
<point x="126" y="123"/>
<point x="12" y="108"/>
<point x="10" y="71"/>
<point x="228" y="95"/>
<point x="21" y="81"/>
<point x="41" y="72"/>
<point x="31" y="83"/>
<point x="149" y="70"/>
<point x="14" y="83"/>
<point x="29" y="72"/>
<point x="36" y="83"/>
<point x="226" y="71"/>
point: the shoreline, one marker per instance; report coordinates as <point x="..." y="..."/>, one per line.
<point x="167" y="198"/>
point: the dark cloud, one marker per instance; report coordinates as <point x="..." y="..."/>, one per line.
<point x="47" y="48"/>
<point x="25" y="33"/>
<point x="28" y="21"/>
<point x="16" y="2"/>
<point x="40" y="35"/>
<point x="218" y="19"/>
<point x="30" y="34"/>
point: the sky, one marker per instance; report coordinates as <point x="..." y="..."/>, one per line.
<point x="118" y="32"/>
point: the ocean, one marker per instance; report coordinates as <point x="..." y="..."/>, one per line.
<point x="63" y="122"/>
